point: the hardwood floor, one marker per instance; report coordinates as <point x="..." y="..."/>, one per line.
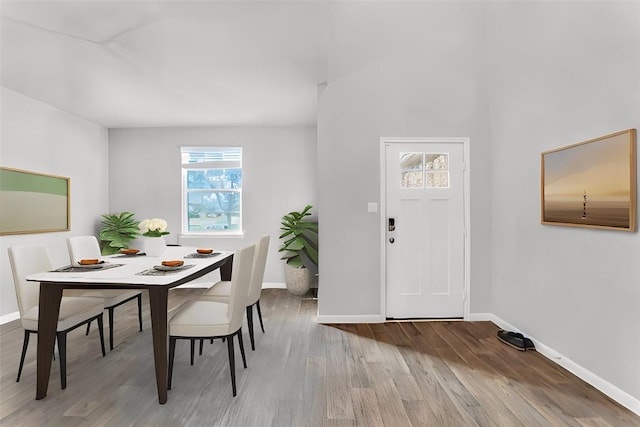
<point x="305" y="374"/>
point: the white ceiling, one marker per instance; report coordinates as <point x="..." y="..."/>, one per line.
<point x="168" y="63"/>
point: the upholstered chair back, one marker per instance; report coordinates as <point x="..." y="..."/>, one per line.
<point x="259" y="263"/>
<point x="240" y="281"/>
<point x="83" y="247"/>
<point x="26" y="260"/>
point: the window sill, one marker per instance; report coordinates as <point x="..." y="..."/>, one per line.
<point x="232" y="235"/>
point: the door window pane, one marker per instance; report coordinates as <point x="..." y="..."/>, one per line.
<point x="437" y="167"/>
<point x="411" y="170"/>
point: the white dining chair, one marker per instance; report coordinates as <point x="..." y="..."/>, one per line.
<point x="210" y="319"/>
<point x="74" y="311"/>
<point x="87" y="247"/>
<point x="220" y="291"/>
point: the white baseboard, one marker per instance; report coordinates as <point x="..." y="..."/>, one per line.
<point x="9" y="317"/>
<point x="361" y="318"/>
<point x="274" y="285"/>
<point x="620" y="396"/>
<point x="281" y="285"/>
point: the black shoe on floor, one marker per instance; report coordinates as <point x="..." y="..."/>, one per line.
<point x="516" y="340"/>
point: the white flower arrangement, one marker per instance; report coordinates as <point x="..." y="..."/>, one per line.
<point x="154" y="227"/>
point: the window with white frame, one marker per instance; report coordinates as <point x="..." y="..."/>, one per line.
<point x="211" y="190"/>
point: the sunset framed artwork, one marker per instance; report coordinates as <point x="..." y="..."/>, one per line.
<point x="591" y="184"/>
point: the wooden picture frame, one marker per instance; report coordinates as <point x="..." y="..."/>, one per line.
<point x="591" y="184"/>
<point x="33" y="202"/>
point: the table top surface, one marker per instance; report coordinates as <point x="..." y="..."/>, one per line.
<point x="132" y="269"/>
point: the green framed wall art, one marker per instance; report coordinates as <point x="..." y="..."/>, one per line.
<point x="33" y="202"/>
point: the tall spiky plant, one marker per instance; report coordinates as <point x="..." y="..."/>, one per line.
<point x="301" y="239"/>
<point x="118" y="230"/>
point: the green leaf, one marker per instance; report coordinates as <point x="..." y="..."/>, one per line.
<point x="295" y="262"/>
<point x="312" y="253"/>
<point x="117" y="231"/>
<point x="296" y="244"/>
<point x="312" y="236"/>
<point x="289" y="255"/>
<point x="300" y="238"/>
<point x="108" y="250"/>
<point x="285" y="234"/>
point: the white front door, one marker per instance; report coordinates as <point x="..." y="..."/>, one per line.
<point x="424" y="229"/>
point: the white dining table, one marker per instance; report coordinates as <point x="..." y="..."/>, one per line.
<point x="122" y="272"/>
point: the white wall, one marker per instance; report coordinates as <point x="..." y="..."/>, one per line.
<point x="395" y="70"/>
<point x="37" y="137"/>
<point x="518" y="78"/>
<point x="279" y="175"/>
<point x="562" y="73"/>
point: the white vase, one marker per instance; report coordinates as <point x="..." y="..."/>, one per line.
<point x="153" y="246"/>
<point x="298" y="280"/>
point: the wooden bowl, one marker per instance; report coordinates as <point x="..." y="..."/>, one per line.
<point x="88" y="261"/>
<point x="129" y="251"/>
<point x="204" y="251"/>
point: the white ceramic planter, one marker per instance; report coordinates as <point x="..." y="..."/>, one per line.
<point x="153" y="246"/>
<point x="298" y="280"/>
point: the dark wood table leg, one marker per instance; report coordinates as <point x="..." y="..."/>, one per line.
<point x="225" y="269"/>
<point x="48" y="311"/>
<point x="158" y="304"/>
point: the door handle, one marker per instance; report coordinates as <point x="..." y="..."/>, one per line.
<point x="392" y="224"/>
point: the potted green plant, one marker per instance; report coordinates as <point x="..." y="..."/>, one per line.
<point x="118" y="230"/>
<point x="300" y="249"/>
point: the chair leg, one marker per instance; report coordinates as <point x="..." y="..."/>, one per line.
<point x="172" y="353"/>
<point x="260" y="315"/>
<point x="232" y="364"/>
<point x="201" y="345"/>
<point x="110" y="313"/>
<point x="88" y="328"/>
<point x="193" y="344"/>
<point x="241" y="343"/>
<point x="25" y="344"/>
<point x="250" y="324"/>
<point x="140" y="311"/>
<point x="62" y="351"/>
<point x="101" y="331"/>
